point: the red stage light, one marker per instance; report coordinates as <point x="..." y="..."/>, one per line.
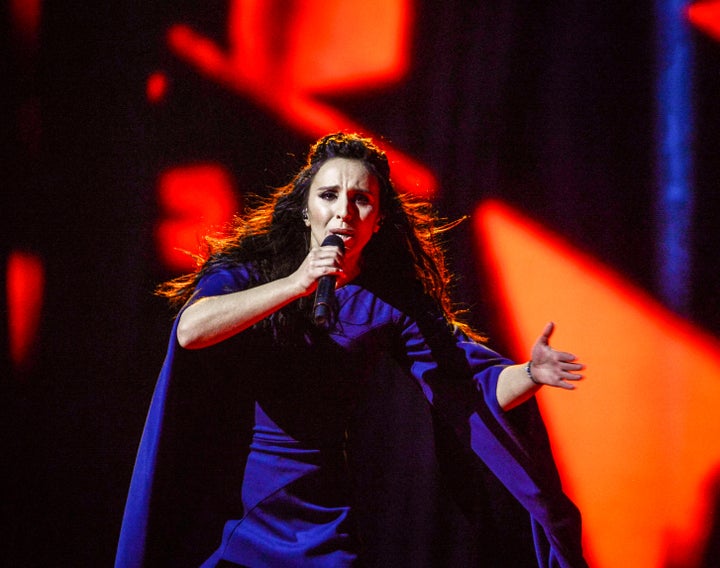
<point x="157" y="86"/>
<point x="283" y="60"/>
<point x="25" y="289"/>
<point x="194" y="201"/>
<point x="26" y="19"/>
<point x="706" y="17"/>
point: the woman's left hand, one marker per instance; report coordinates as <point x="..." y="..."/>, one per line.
<point x="552" y="367"/>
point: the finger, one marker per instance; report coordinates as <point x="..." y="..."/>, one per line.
<point x="564" y="356"/>
<point x="318" y="267"/>
<point x="571" y="377"/>
<point x="326" y="253"/>
<point x="330" y="259"/>
<point x="547" y="332"/>
<point x="330" y="271"/>
<point x="564" y="385"/>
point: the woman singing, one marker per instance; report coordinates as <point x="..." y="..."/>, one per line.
<point x="288" y="487"/>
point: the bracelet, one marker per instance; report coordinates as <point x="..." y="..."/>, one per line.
<point x="528" y="370"/>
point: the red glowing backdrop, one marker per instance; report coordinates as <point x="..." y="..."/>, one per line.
<point x="226" y="89"/>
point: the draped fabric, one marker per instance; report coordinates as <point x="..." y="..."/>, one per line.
<point x="423" y="497"/>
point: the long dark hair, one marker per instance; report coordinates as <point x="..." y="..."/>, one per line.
<point x="273" y="238"/>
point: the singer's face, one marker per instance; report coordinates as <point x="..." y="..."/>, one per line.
<point x="344" y="199"/>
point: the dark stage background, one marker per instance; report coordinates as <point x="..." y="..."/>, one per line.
<point x="550" y="109"/>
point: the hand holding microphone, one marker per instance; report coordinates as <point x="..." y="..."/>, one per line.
<point x="324" y="307"/>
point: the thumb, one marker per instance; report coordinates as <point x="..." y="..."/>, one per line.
<point x="547" y="332"/>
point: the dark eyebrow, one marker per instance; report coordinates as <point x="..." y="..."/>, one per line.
<point x="337" y="188"/>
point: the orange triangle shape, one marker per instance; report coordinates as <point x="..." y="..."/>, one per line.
<point x="639" y="440"/>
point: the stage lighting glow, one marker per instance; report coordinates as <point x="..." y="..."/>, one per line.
<point x="706" y="17"/>
<point x="194" y="200"/>
<point x="638" y="442"/>
<point x="283" y="59"/>
<point x="157" y="86"/>
<point x="25" y="290"/>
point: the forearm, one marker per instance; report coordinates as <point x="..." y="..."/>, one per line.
<point x="515" y="386"/>
<point x="215" y="318"/>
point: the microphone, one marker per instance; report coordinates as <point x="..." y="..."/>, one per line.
<point x="324" y="306"/>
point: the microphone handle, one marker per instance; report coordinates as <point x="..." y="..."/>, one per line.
<point x="323" y="309"/>
<point x="324" y="294"/>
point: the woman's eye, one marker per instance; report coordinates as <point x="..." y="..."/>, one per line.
<point x="327" y="195"/>
<point x="362" y="199"/>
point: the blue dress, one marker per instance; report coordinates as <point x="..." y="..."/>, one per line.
<point x="295" y="505"/>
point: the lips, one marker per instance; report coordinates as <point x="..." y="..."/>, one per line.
<point x="344" y="234"/>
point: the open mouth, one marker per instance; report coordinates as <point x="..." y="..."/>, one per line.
<point x="343" y="234"/>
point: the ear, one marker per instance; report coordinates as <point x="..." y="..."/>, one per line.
<point x="378" y="223"/>
<point x="305" y="217"/>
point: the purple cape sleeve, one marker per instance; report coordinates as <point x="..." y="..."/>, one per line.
<point x="180" y="403"/>
<point x="514" y="445"/>
<point x="132" y="544"/>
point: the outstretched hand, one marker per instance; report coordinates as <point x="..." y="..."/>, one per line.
<point x="552" y="367"/>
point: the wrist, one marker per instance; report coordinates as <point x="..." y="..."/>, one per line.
<point x="296" y="287"/>
<point x="529" y="373"/>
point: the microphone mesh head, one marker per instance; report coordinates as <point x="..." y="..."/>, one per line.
<point x="334" y="241"/>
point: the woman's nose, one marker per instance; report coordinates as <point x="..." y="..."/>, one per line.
<point x="343" y="208"/>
